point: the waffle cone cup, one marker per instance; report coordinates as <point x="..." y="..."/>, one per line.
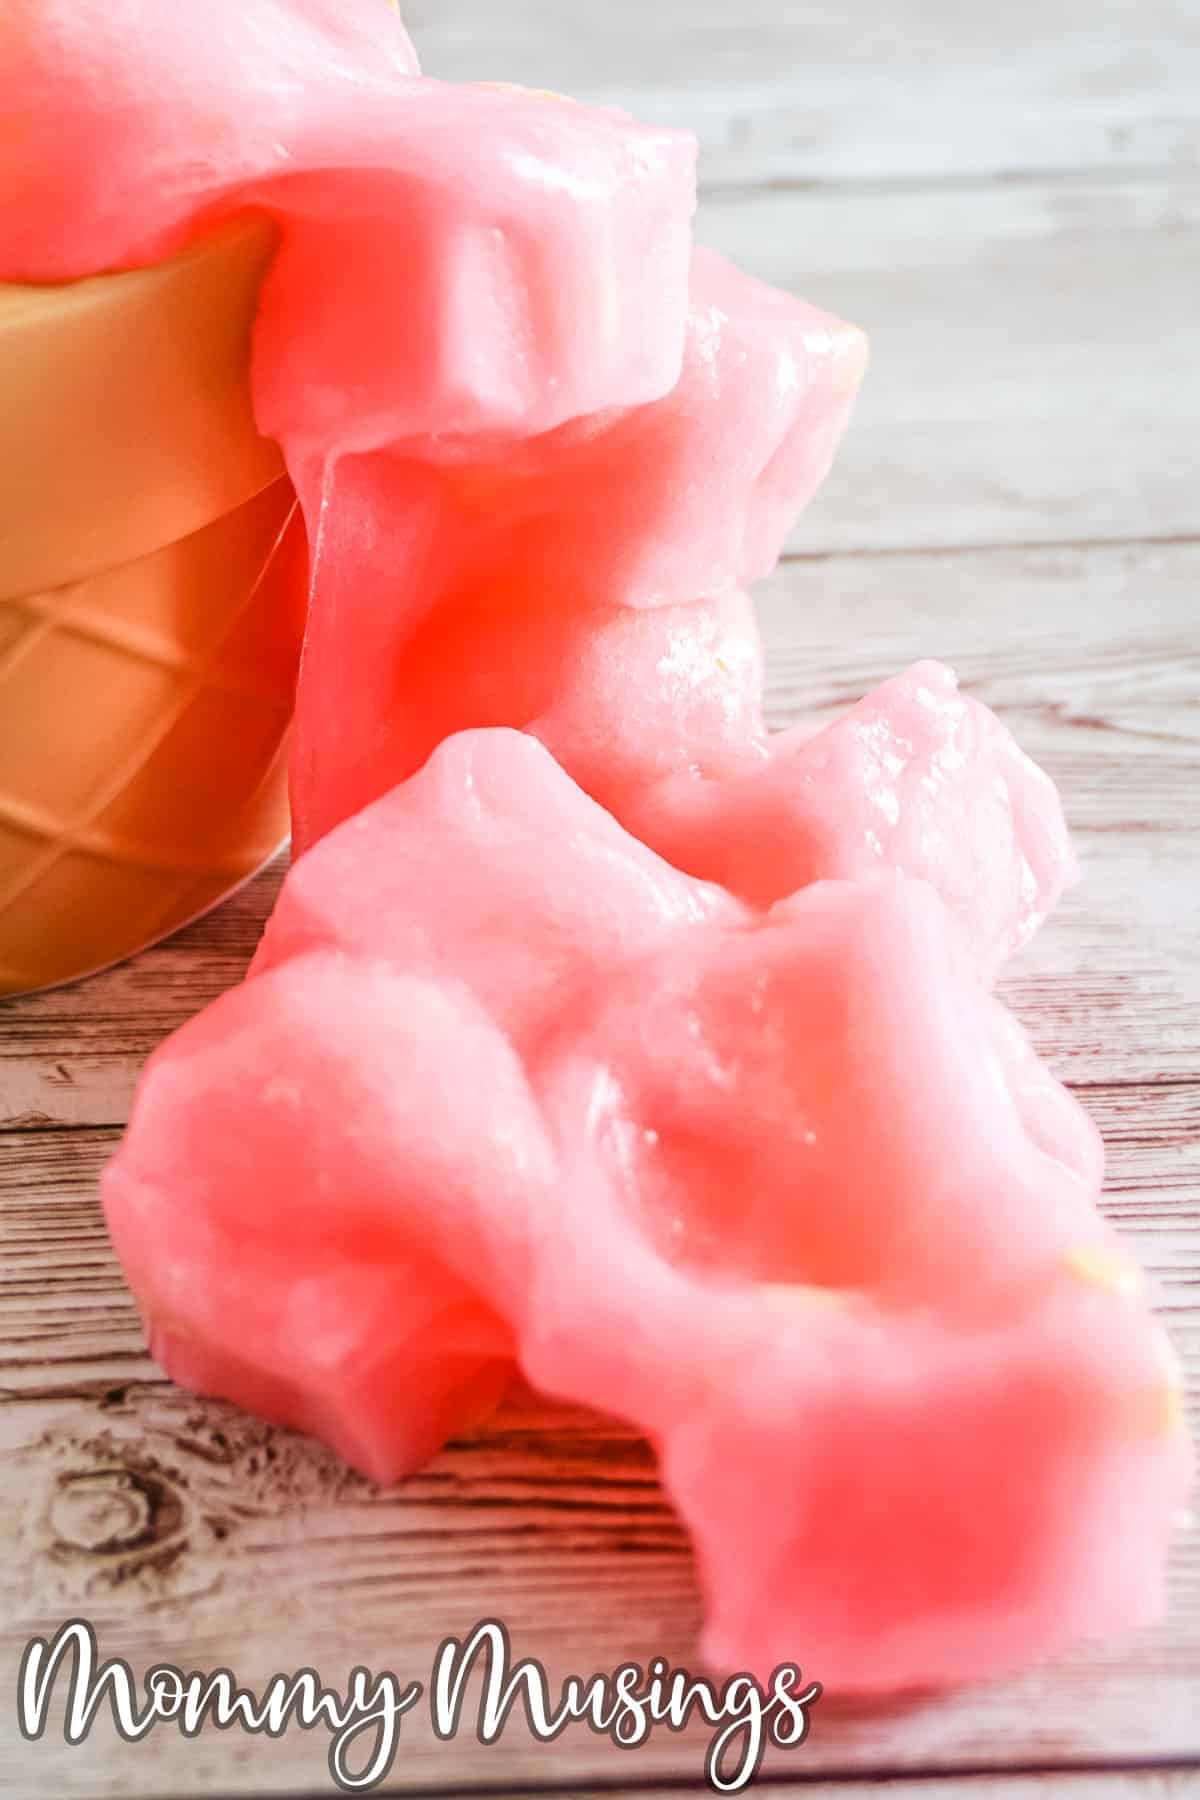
<point x="152" y="579"/>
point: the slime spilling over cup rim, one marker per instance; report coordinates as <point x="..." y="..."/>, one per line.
<point x="152" y="582"/>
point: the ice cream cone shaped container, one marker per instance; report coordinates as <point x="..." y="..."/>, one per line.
<point x="152" y="579"/>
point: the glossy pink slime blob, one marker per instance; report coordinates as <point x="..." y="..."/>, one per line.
<point x="786" y="1188"/>
<point x="460" y="268"/>
<point x="454" y="259"/>
<point x="504" y="557"/>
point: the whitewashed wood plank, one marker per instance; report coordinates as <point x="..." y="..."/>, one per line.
<point x="1092" y="656"/>
<point x="1033" y="375"/>
<point x="1109" y="991"/>
<point x="71" y="1056"/>
<point x="157" y="1515"/>
<point x="841" y="92"/>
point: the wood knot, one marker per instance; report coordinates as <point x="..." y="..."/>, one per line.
<point x="109" y="1512"/>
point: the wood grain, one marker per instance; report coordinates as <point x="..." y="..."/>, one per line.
<point x="1146" y="1784"/>
<point x="1092" y="656"/>
<point x="1007" y="199"/>
<point x="830" y="92"/>
<point x="1033" y="372"/>
<point x="156" y="1514"/>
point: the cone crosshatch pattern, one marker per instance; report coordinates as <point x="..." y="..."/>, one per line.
<point x="144" y="718"/>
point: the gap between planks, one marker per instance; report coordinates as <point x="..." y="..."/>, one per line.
<point x="1090" y="655"/>
<point x="1155" y="1780"/>
<point x="1142" y="541"/>
<point x="69" y="1328"/>
<point x="1158" y="1780"/>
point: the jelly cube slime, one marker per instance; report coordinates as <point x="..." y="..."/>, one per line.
<point x="783" y="1185"/>
<point x="599" y="1034"/>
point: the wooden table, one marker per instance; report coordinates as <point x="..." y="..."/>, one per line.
<point x="1007" y="198"/>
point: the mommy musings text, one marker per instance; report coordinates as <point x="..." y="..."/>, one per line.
<point x="474" y="1684"/>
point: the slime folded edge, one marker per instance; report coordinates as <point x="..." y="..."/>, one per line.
<point x="500" y="375"/>
<point x="455" y="260"/>
<point x="481" y="564"/>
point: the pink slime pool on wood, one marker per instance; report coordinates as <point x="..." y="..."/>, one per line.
<point x="787" y="1188"/>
